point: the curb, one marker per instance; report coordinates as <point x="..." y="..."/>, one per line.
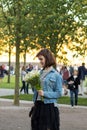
<point x="31" y="102"/>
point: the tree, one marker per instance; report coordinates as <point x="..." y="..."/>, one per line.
<point x="40" y="24"/>
<point x="15" y="15"/>
<point x="7" y="29"/>
<point x="11" y="10"/>
<point x="53" y="22"/>
<point x="79" y="42"/>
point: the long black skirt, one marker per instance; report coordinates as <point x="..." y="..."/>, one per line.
<point x="45" y="117"/>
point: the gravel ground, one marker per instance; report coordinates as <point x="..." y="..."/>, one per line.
<point x="16" y="118"/>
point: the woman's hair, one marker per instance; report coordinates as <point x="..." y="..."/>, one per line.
<point x="1" y="67"/>
<point x="23" y="68"/>
<point x="49" y="57"/>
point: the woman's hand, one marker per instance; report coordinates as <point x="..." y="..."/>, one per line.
<point x="70" y="82"/>
<point x="41" y="93"/>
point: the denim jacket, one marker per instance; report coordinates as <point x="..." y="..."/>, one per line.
<point x="52" y="87"/>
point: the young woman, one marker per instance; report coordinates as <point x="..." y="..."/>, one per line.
<point x="73" y="84"/>
<point x="45" y="115"/>
<point x="23" y="74"/>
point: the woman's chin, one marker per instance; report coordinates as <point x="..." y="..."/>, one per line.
<point x="42" y="66"/>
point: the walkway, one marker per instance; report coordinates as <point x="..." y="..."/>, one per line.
<point x="16" y="118"/>
<point x="5" y="92"/>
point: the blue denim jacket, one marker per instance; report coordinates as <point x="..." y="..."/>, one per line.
<point x="52" y="87"/>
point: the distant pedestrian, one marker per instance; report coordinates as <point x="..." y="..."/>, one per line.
<point x="73" y="86"/>
<point x="2" y="72"/>
<point x="11" y="70"/>
<point x="65" y="75"/>
<point x="23" y="74"/>
<point x="29" y="69"/>
<point x="75" y="67"/>
<point x="71" y="70"/>
<point x="82" y="73"/>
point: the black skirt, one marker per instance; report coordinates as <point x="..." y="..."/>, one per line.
<point x="45" y="117"/>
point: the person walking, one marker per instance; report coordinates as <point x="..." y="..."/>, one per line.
<point x="73" y="86"/>
<point x="2" y="72"/>
<point x="65" y="74"/>
<point x="45" y="115"/>
<point x="71" y="70"/>
<point x="23" y="74"/>
<point x="82" y="73"/>
<point x="28" y="70"/>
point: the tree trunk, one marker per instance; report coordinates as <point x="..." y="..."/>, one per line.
<point x="9" y="64"/>
<point x="18" y="39"/>
<point x="24" y="58"/>
<point x="54" y="50"/>
<point x="17" y="68"/>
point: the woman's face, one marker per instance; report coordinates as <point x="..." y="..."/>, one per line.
<point x="42" y="60"/>
<point x="75" y="73"/>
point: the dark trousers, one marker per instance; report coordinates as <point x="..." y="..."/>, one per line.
<point x="27" y="88"/>
<point x="74" y="97"/>
<point x="23" y="87"/>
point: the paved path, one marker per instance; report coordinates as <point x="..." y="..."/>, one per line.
<point x="5" y="92"/>
<point x="16" y="118"/>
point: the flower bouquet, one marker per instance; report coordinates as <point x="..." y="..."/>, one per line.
<point x="33" y="78"/>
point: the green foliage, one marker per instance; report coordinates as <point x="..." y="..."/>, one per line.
<point x="45" y="23"/>
<point x="54" y="20"/>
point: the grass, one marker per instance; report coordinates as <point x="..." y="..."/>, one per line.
<point x="62" y="100"/>
<point x="11" y="85"/>
<point x="66" y="100"/>
<point x="21" y="97"/>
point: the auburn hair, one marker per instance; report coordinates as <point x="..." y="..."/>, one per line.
<point x="49" y="57"/>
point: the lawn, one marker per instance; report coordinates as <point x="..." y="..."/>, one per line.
<point x="62" y="100"/>
<point x="66" y="100"/>
<point x="25" y="97"/>
<point x="10" y="85"/>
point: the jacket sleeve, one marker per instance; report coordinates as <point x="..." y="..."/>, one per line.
<point x="58" y="91"/>
<point x="69" y="79"/>
<point x="77" y="81"/>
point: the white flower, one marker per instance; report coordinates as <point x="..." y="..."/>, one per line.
<point x="31" y="74"/>
<point x="33" y="78"/>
